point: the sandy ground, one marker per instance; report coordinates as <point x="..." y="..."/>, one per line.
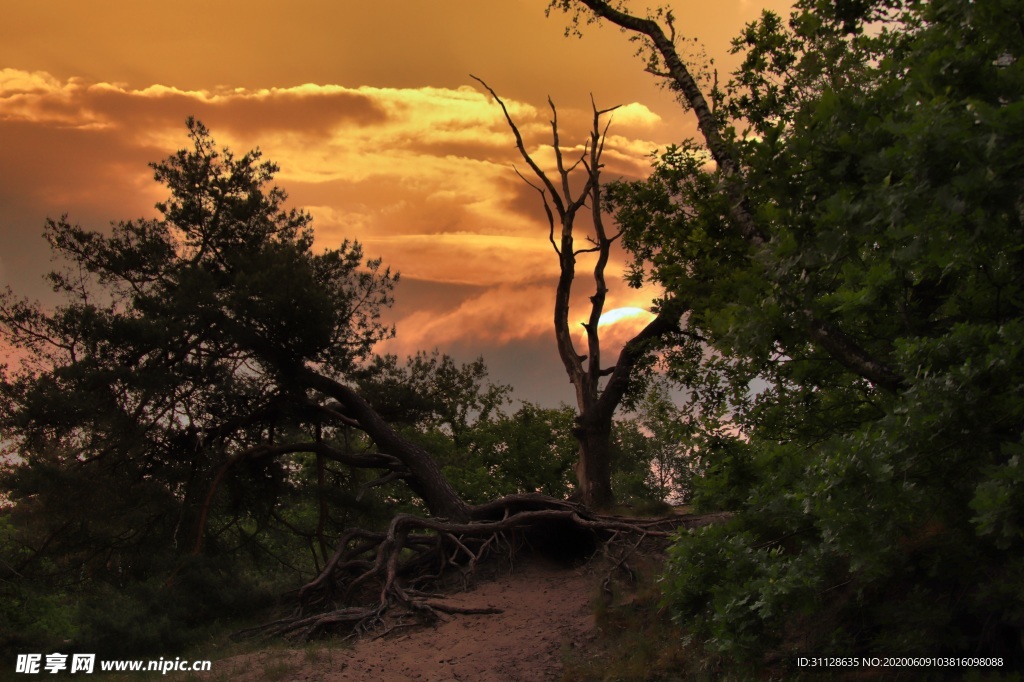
<point x="546" y="612"/>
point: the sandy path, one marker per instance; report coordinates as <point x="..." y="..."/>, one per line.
<point x="546" y="608"/>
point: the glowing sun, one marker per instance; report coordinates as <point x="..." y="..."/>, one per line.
<point x="638" y="317"/>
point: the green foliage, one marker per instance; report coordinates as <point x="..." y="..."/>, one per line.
<point x="154" y="617"/>
<point x="657" y="455"/>
<point x="431" y="392"/>
<point x="171" y="356"/>
<point x="458" y="415"/>
<point x="530" y="450"/>
<point x="29" y="612"/>
<point x="882" y="158"/>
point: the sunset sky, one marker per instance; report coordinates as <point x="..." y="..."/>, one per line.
<point x="379" y="130"/>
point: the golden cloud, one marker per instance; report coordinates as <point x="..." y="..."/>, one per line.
<point x="17" y="82"/>
<point x="635" y="114"/>
<point x="467" y="258"/>
<point x="500" y="315"/>
<point x="423" y="177"/>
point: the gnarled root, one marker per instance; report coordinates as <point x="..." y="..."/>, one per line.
<point x="377" y="581"/>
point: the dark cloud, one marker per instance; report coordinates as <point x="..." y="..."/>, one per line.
<point x="531" y="366"/>
<point x="314" y="111"/>
<point x="48" y="170"/>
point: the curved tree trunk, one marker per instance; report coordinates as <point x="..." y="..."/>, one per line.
<point x="421" y="470"/>
<point x="425" y="477"/>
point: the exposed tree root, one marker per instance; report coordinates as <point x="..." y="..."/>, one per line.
<point x="377" y="582"/>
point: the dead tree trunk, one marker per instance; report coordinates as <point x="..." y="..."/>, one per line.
<point x="596" y="404"/>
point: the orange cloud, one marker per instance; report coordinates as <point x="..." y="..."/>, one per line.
<point x="466" y="258"/>
<point x="415" y="163"/>
<point x="498" y="316"/>
<point x="423" y="177"/>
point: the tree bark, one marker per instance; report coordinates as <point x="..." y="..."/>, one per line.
<point x="593" y="469"/>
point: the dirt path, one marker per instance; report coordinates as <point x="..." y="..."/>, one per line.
<point x="546" y="611"/>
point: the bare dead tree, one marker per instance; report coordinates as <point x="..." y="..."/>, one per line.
<point x="599" y="388"/>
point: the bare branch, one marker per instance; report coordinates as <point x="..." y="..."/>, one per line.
<point x="522" y="147"/>
<point x="547" y="210"/>
<point x="592" y="249"/>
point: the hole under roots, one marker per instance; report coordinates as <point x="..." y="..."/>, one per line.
<point x="561" y="541"/>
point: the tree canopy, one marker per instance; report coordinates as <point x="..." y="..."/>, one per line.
<point x="848" y="238"/>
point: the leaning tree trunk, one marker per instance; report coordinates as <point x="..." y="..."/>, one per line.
<point x="424" y="477"/>
<point x="399" y="457"/>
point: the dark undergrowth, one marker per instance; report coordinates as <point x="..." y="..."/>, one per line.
<point x="634" y="640"/>
<point x="637" y="641"/>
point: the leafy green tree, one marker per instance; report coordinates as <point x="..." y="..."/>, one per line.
<point x="180" y="339"/>
<point x="852" y="264"/>
<point x="172" y="389"/>
<point x="659" y="440"/>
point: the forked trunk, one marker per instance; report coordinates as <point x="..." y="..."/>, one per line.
<point x="596" y="405"/>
